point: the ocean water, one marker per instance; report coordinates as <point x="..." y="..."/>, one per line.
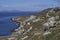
<point x="6" y="25"/>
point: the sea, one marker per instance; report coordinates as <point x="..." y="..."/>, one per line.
<point x="6" y="24"/>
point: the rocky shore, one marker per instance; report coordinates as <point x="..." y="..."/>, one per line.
<point x="44" y="25"/>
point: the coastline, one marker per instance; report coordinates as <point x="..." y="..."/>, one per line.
<point x="31" y="27"/>
<point x="17" y="23"/>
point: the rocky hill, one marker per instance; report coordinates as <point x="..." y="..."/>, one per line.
<point x="44" y="25"/>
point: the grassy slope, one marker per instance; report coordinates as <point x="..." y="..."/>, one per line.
<point x="37" y="27"/>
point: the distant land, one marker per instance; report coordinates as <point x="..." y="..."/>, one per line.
<point x="15" y="13"/>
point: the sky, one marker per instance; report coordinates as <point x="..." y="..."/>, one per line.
<point x="27" y="5"/>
